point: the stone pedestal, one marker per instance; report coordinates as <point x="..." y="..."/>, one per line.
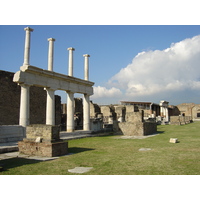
<point x="43" y="149"/>
<point x="43" y="140"/>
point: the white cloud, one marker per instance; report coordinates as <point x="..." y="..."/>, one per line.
<point x="101" y="92"/>
<point x="158" y="74"/>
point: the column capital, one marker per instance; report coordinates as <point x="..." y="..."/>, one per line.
<point x="86" y="55"/>
<point x="51" y="39"/>
<point x="24" y="85"/>
<point x="71" y="48"/>
<point x="28" y="29"/>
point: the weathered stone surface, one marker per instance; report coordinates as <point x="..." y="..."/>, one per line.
<point x="43" y="149"/>
<point x="80" y="170"/>
<point x="144" y="149"/>
<point x="173" y="140"/>
<point x="135" y="125"/>
<point x="46" y="132"/>
<point x="180" y="120"/>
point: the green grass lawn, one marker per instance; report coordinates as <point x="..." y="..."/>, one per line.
<point x="111" y="156"/>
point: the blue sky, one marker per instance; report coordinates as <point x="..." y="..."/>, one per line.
<point x="112" y="48"/>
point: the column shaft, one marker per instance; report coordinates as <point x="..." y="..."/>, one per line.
<point x="50" y="107"/>
<point x="70" y="112"/>
<point x="70" y="66"/>
<point x="27" y="46"/>
<point x="24" y="106"/>
<point x="50" y="54"/>
<point x="86" y="113"/>
<point x="167" y="114"/>
<point x="86" y="67"/>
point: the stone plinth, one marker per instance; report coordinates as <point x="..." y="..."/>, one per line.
<point x="48" y="133"/>
<point x="43" y="140"/>
<point x="43" y="148"/>
<point x="135" y="125"/>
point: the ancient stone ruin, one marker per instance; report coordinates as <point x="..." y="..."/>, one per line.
<point x="37" y="122"/>
<point x="44" y="139"/>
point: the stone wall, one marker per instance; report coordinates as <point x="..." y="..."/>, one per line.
<point x="180" y="120"/>
<point x="135" y="125"/>
<point x="9" y="99"/>
<point x="10" y="102"/>
<point x="94" y="110"/>
<point x="43" y="140"/>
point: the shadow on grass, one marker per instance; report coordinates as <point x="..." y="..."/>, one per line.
<point x="16" y="162"/>
<point x="78" y="149"/>
<point x="160" y="132"/>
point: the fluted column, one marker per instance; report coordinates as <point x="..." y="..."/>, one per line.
<point x="86" y="112"/>
<point x="50" y="107"/>
<point x="50" y="53"/>
<point x="27" y="45"/>
<point x="70" y="66"/>
<point x="70" y="111"/>
<point x="24" y="105"/>
<point x="86" y="67"/>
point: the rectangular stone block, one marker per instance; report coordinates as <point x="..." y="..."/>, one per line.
<point x="46" y="132"/>
<point x="43" y="149"/>
<point x="173" y="140"/>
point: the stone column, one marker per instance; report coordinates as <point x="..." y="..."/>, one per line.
<point x="70" y="67"/>
<point x="27" y="46"/>
<point x="86" y="67"/>
<point x="70" y="112"/>
<point x="86" y="112"/>
<point x="24" y="105"/>
<point x="50" y="54"/>
<point x="50" y="107"/>
<point x="166" y="114"/>
<point x="161" y="111"/>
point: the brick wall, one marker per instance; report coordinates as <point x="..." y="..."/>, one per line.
<point x="10" y="102"/>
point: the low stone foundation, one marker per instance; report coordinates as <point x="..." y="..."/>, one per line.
<point x="180" y="120"/>
<point x="43" y="140"/>
<point x="11" y="133"/>
<point x="135" y="126"/>
<point x="138" y="129"/>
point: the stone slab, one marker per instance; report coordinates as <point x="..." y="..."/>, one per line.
<point x="145" y="149"/>
<point x="19" y="155"/>
<point x="80" y="170"/>
<point x="135" y="137"/>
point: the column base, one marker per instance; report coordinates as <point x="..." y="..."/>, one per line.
<point x="70" y="130"/>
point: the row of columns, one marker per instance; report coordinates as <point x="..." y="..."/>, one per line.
<point x="164" y="110"/>
<point x="50" y="105"/>
<point x="164" y="113"/>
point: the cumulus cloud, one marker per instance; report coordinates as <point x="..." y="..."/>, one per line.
<point x="102" y="92"/>
<point x="155" y="73"/>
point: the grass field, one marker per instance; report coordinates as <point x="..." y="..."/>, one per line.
<point x="109" y="155"/>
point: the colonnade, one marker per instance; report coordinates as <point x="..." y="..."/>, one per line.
<point x="50" y="105"/>
<point x="164" y="110"/>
